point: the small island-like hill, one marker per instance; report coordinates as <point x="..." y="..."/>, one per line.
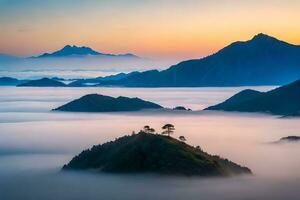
<point x="283" y="101"/>
<point x="290" y="139"/>
<point x="153" y="153"/>
<point x="44" y="82"/>
<point x="102" y="103"/>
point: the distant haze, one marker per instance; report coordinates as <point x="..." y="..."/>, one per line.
<point x="35" y="143"/>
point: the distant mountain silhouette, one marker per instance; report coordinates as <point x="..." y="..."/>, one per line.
<point x="44" y="82"/>
<point x="182" y="108"/>
<point x="8" y="81"/>
<point x="284" y="101"/>
<point x="289" y="139"/>
<point x="263" y="60"/>
<point x="69" y="50"/>
<point x="153" y="153"/>
<point x="98" y="80"/>
<point x="101" y="103"/>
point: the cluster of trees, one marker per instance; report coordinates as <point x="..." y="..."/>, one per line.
<point x="167" y="129"/>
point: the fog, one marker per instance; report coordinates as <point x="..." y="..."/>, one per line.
<point x="36" y="142"/>
<point x="79" y="67"/>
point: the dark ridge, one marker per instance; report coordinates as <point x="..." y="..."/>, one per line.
<point x="263" y="60"/>
<point x="44" y="82"/>
<point x="153" y="153"/>
<point x="101" y="103"/>
<point x="284" y="101"/>
<point x="240" y="97"/>
<point x="290" y="139"/>
<point x="8" y="81"/>
<point x="181" y="108"/>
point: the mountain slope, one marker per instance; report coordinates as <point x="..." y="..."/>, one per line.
<point x="238" y="98"/>
<point x="98" y="80"/>
<point x="101" y="103"/>
<point x="152" y="153"/>
<point x="284" y="100"/>
<point x="44" y="82"/>
<point x="263" y="60"/>
<point x="8" y="81"/>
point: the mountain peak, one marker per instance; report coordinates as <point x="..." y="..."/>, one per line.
<point x="78" y="48"/>
<point x="263" y="37"/>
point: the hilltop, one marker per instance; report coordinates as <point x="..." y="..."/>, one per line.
<point x="152" y="153"/>
<point x="44" y="82"/>
<point x="102" y="103"/>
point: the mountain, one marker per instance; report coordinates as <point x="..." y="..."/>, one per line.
<point x="44" y="82"/>
<point x="284" y="100"/>
<point x="101" y="103"/>
<point x="238" y="98"/>
<point x="152" y="153"/>
<point x="8" y="81"/>
<point x="263" y="60"/>
<point x="69" y="50"/>
<point x="98" y="80"/>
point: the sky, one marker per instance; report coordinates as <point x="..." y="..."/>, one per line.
<point x="178" y="29"/>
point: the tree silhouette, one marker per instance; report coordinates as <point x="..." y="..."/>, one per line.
<point x="151" y="130"/>
<point x="182" y="138"/>
<point x="199" y="148"/>
<point x="168" y="129"/>
<point x="148" y="129"/>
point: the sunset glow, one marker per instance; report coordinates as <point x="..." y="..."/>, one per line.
<point x="158" y="29"/>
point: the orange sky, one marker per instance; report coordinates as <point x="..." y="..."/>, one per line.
<point x="166" y="28"/>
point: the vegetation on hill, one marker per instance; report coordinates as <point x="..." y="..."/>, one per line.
<point x="101" y="103"/>
<point x="149" y="152"/>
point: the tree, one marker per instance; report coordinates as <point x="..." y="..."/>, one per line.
<point x="182" y="138"/>
<point x="199" y="148"/>
<point x="148" y="129"/>
<point x="151" y="130"/>
<point x="168" y="129"/>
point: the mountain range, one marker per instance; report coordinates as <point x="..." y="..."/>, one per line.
<point x="263" y="60"/>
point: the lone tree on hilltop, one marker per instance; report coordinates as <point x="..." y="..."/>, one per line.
<point x="182" y="138"/>
<point x="168" y="129"/>
<point x="148" y="129"/>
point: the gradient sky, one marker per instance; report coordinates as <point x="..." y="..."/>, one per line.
<point x="149" y="28"/>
